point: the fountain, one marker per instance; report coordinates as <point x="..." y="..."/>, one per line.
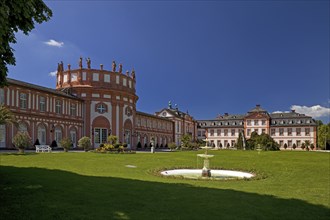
<point x="206" y="172"/>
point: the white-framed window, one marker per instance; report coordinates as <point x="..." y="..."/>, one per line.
<point x="42" y="104"/>
<point x="124" y="82"/>
<point x="106" y="78"/>
<point x="307" y="132"/>
<point x="23" y="100"/>
<point x="101" y="108"/>
<point x="74" y="77"/>
<point x="232" y="132"/>
<point x="130" y="84"/>
<point x="58" y="107"/>
<point x="58" y="135"/>
<point x="256" y="122"/>
<point x="272" y="132"/>
<point x="95" y="77"/>
<point x="65" y="77"/>
<point x="100" y="135"/>
<point x="84" y="76"/>
<point x="73" y="109"/>
<point x="42" y="134"/>
<point x="22" y="127"/>
<point x="73" y="137"/>
<point x="117" y="79"/>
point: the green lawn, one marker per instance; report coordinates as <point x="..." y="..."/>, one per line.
<point x="289" y="185"/>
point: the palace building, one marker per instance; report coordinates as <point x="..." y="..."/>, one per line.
<point x="87" y="102"/>
<point x="98" y="103"/>
<point x="285" y="128"/>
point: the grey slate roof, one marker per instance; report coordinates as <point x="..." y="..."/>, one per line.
<point x="40" y="88"/>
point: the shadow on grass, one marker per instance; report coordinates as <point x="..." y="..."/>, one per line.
<point x="34" y="193"/>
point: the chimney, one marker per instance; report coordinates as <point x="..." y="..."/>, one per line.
<point x="258" y="106"/>
<point x="293" y="111"/>
<point x="226" y="114"/>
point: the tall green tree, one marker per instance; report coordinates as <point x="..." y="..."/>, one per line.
<point x="323" y="135"/>
<point x="17" y="15"/>
<point x="185" y="140"/>
<point x="240" y="144"/>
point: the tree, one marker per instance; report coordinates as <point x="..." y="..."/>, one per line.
<point x="185" y="140"/>
<point x="17" y="15"/>
<point x="265" y="141"/>
<point x="22" y="140"/>
<point x="66" y="143"/>
<point x="323" y="135"/>
<point x="172" y="146"/>
<point x="85" y="142"/>
<point x="240" y="140"/>
<point x="6" y="116"/>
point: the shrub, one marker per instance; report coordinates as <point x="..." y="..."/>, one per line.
<point x="66" y="143"/>
<point x="285" y="146"/>
<point x="303" y="146"/>
<point x="312" y="146"/>
<point x="166" y="146"/>
<point x="112" y="139"/>
<point x="294" y="146"/>
<point x="138" y="146"/>
<point x="116" y="145"/>
<point x="172" y="146"/>
<point x="85" y="142"/>
<point x="22" y="140"/>
<point x="108" y="147"/>
<point x="145" y="145"/>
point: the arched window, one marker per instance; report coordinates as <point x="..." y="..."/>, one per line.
<point x="73" y="137"/>
<point x="58" y="135"/>
<point x="22" y="127"/>
<point x="42" y="134"/>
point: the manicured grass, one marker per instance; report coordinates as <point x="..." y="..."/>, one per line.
<point x="289" y="185"/>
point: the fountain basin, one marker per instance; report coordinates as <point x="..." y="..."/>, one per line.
<point x="216" y="174"/>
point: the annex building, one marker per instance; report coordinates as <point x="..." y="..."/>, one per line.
<point x="89" y="102"/>
<point x="285" y="128"/>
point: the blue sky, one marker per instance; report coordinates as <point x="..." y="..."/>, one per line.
<point x="209" y="57"/>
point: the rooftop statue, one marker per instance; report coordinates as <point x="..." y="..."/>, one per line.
<point x="61" y="66"/>
<point x="88" y="63"/>
<point x="114" y="65"/>
<point x="133" y="73"/>
<point x="120" y="68"/>
<point x="169" y="104"/>
<point x="80" y="62"/>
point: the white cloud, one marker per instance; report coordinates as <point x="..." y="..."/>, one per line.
<point x="315" y="111"/>
<point x="54" y="43"/>
<point x="53" y="73"/>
